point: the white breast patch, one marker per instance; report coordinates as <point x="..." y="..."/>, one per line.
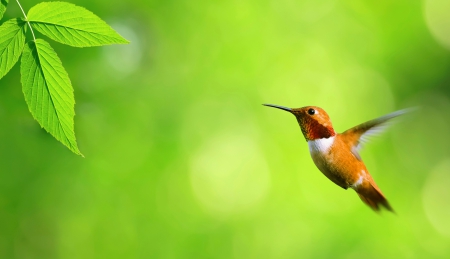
<point x="320" y="145"/>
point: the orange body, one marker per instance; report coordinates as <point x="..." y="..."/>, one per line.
<point x="345" y="169"/>
<point x="336" y="155"/>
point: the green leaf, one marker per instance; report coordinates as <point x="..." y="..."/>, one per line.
<point x="72" y="25"/>
<point x="3" y="5"/>
<point x="12" y="40"/>
<point x="48" y="92"/>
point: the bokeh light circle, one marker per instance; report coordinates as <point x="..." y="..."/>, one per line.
<point x="436" y="196"/>
<point x="229" y="174"/>
<point x="437" y="16"/>
<point x="126" y="58"/>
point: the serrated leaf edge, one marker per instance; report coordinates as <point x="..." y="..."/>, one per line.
<point x="72" y="148"/>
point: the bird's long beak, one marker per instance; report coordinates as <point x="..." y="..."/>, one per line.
<point x="279" y="107"/>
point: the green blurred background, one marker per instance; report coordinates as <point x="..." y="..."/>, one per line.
<point x="183" y="161"/>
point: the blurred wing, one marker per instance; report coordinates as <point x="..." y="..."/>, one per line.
<point x="362" y="133"/>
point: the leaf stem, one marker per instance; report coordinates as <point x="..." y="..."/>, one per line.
<point x="26" y="19"/>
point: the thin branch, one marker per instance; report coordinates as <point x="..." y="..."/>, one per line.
<point x="26" y="19"/>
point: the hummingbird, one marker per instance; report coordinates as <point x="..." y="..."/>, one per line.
<point x="336" y="155"/>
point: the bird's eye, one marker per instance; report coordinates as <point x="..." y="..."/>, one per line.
<point x="311" y="111"/>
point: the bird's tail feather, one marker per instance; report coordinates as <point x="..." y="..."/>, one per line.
<point x="373" y="197"/>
